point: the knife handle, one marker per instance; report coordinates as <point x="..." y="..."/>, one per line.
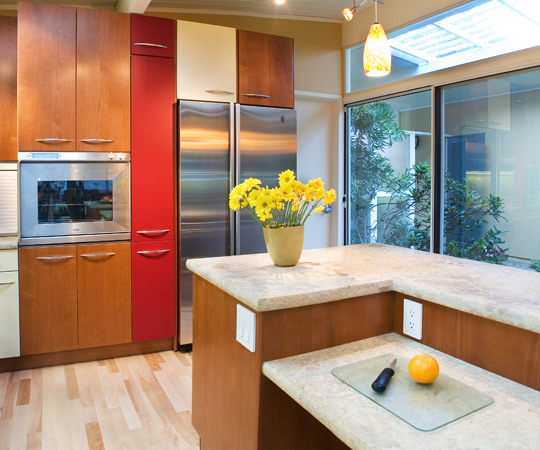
<point x="379" y="385"/>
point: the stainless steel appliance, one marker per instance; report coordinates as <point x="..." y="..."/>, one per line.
<point x="220" y="145"/>
<point x="74" y="197"/>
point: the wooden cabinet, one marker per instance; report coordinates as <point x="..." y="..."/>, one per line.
<point x="46" y="78"/>
<point x="104" y="305"/>
<point x="8" y="88"/>
<point x="9" y="304"/>
<point x="48" y="299"/>
<point x="74" y="297"/>
<point x="152" y="36"/>
<point x="103" y="81"/>
<point x="265" y="69"/>
<point x="153" y="290"/>
<point x="206" y="62"/>
<point x="74" y="79"/>
<point x="152" y="156"/>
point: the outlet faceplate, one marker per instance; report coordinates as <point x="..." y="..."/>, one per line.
<point x="412" y="319"/>
<point x="245" y="327"/>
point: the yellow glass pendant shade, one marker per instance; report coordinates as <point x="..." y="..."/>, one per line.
<point x="377" y="53"/>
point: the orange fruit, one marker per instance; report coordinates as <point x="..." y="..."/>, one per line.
<point x="424" y="369"/>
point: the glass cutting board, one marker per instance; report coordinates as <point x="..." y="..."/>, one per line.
<point x="425" y="407"/>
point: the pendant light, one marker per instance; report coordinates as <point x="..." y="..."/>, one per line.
<point x="377" y="53"/>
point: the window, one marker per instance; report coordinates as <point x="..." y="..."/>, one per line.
<point x="389" y="187"/>
<point x="491" y="159"/>
<point x="477" y="30"/>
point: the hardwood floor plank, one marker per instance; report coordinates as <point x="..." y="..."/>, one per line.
<point x="137" y="402"/>
<point x="23" y="392"/>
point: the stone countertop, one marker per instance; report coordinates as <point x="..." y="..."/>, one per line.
<point x="511" y="422"/>
<point x="9" y="242"/>
<point x="500" y="293"/>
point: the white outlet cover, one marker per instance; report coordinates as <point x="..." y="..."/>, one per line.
<point x="245" y="327"/>
<point x="412" y="319"/>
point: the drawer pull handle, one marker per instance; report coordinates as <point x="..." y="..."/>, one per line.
<point x="97" y="255"/>
<point x="7" y="282"/>
<point x="152" y="252"/>
<point x="97" y="141"/>
<point x="153" y="231"/>
<point x="256" y="95"/>
<point x="219" y="92"/>
<point x="53" y="140"/>
<point x="149" y="44"/>
<point x="49" y="258"/>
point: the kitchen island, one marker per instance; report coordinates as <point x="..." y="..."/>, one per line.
<point x="486" y="315"/>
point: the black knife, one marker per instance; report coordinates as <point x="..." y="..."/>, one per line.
<point x="379" y="385"/>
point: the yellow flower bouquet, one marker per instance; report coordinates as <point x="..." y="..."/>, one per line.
<point x="288" y="205"/>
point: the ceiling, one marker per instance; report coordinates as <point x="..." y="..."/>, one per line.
<point x="326" y="10"/>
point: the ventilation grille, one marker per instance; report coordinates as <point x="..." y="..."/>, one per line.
<point x="8" y="202"/>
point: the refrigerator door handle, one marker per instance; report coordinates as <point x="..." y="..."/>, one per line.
<point x="235" y="167"/>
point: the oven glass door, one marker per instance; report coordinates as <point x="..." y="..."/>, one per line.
<point x="62" y="199"/>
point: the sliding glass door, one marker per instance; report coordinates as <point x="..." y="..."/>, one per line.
<point x="389" y="171"/>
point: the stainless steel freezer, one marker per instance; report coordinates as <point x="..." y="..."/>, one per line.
<point x="220" y="145"/>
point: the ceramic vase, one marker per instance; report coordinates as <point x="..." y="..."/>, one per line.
<point x="284" y="244"/>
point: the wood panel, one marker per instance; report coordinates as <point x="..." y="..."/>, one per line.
<point x="46" y="77"/>
<point x="226" y="376"/>
<point x="227" y="395"/>
<point x="285" y="425"/>
<point x="293" y="331"/>
<point x="104" y="287"/>
<point x="508" y="351"/>
<point x="103" y="80"/>
<point x="265" y="66"/>
<point x="84" y="355"/>
<point x="8" y="88"/>
<point x="48" y="299"/>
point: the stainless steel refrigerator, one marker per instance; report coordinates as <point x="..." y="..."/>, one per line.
<point x="220" y="145"/>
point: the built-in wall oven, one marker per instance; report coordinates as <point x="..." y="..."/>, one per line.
<point x="74" y="197"/>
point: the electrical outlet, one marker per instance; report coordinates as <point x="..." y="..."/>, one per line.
<point x="412" y="319"/>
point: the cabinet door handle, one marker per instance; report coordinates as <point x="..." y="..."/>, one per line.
<point x="153" y="231"/>
<point x="53" y="140"/>
<point x="256" y="95"/>
<point x="7" y="282"/>
<point x="219" y="92"/>
<point x="97" y="141"/>
<point x="149" y="44"/>
<point x="97" y="255"/>
<point x="49" y="258"/>
<point x="152" y="252"/>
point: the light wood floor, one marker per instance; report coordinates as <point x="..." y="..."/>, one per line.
<point x="138" y="402"/>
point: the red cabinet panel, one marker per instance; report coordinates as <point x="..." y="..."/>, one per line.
<point x="153" y="290"/>
<point x="153" y="36"/>
<point x="153" y="100"/>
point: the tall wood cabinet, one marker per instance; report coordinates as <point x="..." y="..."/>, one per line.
<point x="74" y="297"/>
<point x="8" y="88"/>
<point x="153" y="97"/>
<point x="74" y="79"/>
<point x="265" y="71"/>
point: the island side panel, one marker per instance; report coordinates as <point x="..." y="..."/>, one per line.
<point x="226" y="375"/>
<point x="288" y="332"/>
<point x="508" y="351"/>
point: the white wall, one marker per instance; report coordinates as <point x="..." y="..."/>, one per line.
<point x="319" y="149"/>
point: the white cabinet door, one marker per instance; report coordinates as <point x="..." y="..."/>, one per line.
<point x="9" y="315"/>
<point x="206" y="62"/>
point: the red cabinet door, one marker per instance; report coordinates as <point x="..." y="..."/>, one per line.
<point x="152" y="290"/>
<point x="153" y="36"/>
<point x="153" y="100"/>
